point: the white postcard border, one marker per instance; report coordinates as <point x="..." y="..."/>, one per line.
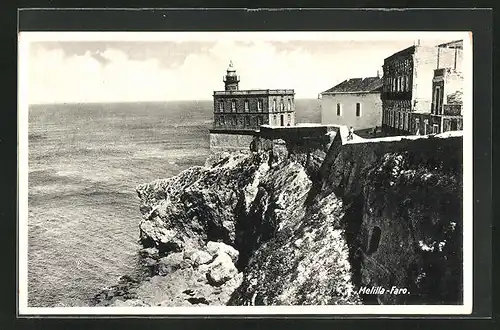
<point x="24" y="40"/>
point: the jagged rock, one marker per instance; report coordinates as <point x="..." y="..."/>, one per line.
<point x="221" y="270"/>
<point x="201" y="257"/>
<point x="188" y="292"/>
<point x="170" y="263"/>
<point x="301" y="222"/>
<point x="149" y="262"/>
<point x="217" y="248"/>
<point x="151" y="253"/>
<point x="164" y="239"/>
<point x="198" y="300"/>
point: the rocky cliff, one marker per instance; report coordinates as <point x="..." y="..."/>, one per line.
<point x="284" y="225"/>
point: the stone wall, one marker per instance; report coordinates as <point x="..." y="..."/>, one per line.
<point x="230" y="142"/>
<point x="403" y="210"/>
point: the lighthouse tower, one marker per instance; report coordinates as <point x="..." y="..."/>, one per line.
<point x="231" y="80"/>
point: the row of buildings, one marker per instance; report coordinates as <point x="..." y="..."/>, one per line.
<point x="420" y="92"/>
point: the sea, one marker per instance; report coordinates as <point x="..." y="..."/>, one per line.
<point x="85" y="161"/>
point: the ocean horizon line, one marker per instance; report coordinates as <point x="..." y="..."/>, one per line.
<point x="147" y="101"/>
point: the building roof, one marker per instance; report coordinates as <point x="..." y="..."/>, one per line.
<point x="453" y="44"/>
<point x="409" y="51"/>
<point x="230" y="68"/>
<point x="406" y="51"/>
<point x="357" y="85"/>
<point x="255" y="92"/>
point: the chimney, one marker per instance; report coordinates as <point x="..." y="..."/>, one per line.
<point x="378" y="74"/>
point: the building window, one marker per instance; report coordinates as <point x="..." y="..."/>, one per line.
<point x="435" y="129"/>
<point x="235" y="121"/>
<point x="289" y="119"/>
<point x="246" y="105"/>
<point x="247" y="121"/>
<point x="438" y="100"/>
<point x="259" y="105"/>
<point x="221" y="106"/>
<point x="274" y="105"/>
<point x="339" y="110"/>
<point x="289" y="105"/>
<point x="358" y="109"/>
<point x="417" y="126"/>
<point x="222" y="121"/>
<point x="275" y="120"/>
<point x="233" y="106"/>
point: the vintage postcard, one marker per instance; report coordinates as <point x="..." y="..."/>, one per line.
<point x="194" y="173"/>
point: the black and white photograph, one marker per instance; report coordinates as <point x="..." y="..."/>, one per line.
<point x="245" y="172"/>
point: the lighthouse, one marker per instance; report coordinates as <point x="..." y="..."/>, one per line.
<point x="239" y="114"/>
<point x="231" y="80"/>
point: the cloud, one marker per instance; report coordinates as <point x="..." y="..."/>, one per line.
<point x="112" y="75"/>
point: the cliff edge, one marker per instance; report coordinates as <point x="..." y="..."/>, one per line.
<point x="283" y="225"/>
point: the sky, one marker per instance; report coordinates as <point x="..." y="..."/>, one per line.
<point x="79" y="71"/>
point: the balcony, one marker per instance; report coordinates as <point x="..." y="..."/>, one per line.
<point x="452" y="109"/>
<point x="230" y="78"/>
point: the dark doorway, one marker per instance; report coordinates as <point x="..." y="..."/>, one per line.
<point x="374" y="240"/>
<point x="282" y="118"/>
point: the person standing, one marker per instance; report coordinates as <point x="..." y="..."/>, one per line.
<point x="350" y="135"/>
